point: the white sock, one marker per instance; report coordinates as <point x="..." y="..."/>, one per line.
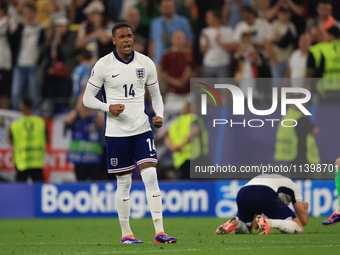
<point x="241" y="228"/>
<point x="153" y="195"/>
<point x="123" y="202"/>
<point x="285" y="226"/>
<point x="338" y="210"/>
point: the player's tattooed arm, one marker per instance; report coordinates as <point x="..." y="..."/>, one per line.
<point x="117" y="109"/>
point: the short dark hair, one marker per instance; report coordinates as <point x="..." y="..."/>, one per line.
<point x="335" y="31"/>
<point x="217" y="13"/>
<point x="118" y="26"/>
<point x="32" y="7"/>
<point x="86" y="55"/>
<point x="4" y="5"/>
<point x="249" y="9"/>
<point x="27" y="102"/>
<point x="326" y="2"/>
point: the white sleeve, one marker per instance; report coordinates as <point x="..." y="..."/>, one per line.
<point x="153" y="87"/>
<point x="227" y="35"/>
<point x="297" y="193"/>
<point x="236" y="37"/>
<point x="93" y="86"/>
<point x="202" y="38"/>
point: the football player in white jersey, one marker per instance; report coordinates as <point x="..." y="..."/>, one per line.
<point x="122" y="76"/>
<point x="268" y="194"/>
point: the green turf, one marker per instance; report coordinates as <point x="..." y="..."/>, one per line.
<point x="195" y="236"/>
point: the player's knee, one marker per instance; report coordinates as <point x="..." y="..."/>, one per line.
<point x="149" y="176"/>
<point x="147" y="165"/>
<point x="124" y="182"/>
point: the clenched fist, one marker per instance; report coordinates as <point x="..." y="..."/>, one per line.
<point x="116" y="109"/>
<point x="157" y="121"/>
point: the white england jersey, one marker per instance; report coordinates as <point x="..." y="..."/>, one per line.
<point x="124" y="83"/>
<point x="279" y="184"/>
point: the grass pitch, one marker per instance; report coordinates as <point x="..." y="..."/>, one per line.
<point x="195" y="236"/>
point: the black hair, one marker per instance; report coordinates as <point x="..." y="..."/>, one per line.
<point x="3" y="5"/>
<point x="32" y="7"/>
<point x="249" y="9"/>
<point x="335" y="31"/>
<point x="217" y="13"/>
<point x="325" y="2"/>
<point x="86" y="55"/>
<point x="27" y="102"/>
<point x="118" y="26"/>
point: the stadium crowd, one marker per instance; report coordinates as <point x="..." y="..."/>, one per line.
<point x="48" y="48"/>
<point x="51" y="45"/>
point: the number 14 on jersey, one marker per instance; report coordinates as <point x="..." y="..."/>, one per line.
<point x="131" y="90"/>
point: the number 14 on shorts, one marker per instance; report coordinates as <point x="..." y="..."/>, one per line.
<point x="152" y="146"/>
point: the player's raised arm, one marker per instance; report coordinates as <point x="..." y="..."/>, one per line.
<point x="156" y="97"/>
<point x="93" y="86"/>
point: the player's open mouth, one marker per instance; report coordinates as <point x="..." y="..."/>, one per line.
<point x="127" y="47"/>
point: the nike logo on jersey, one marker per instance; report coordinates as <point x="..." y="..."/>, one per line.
<point x="113" y="76"/>
<point x="157" y="195"/>
<point x="126" y="199"/>
<point x="152" y="154"/>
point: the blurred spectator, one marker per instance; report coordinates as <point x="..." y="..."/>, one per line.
<point x="297" y="12"/>
<point x="280" y="44"/>
<point x="79" y="6"/>
<point x="232" y="10"/>
<point x="317" y="35"/>
<point x="297" y="145"/>
<point x="324" y="19"/>
<point x="297" y="63"/>
<point x="26" y="43"/>
<point x="140" y="31"/>
<point x="216" y="45"/>
<point x="86" y="149"/>
<point x="12" y="13"/>
<point x="96" y="32"/>
<point x="28" y="135"/>
<point x="176" y="69"/>
<point x="148" y="9"/>
<point x="323" y="62"/>
<point x="162" y="27"/>
<point x="5" y="57"/>
<point x="61" y="58"/>
<point x="80" y="76"/>
<point x="126" y="5"/>
<point x="188" y="140"/>
<point x="251" y="64"/>
<point x="183" y="8"/>
<point x="65" y="8"/>
<point x="44" y="10"/>
<point x="259" y="27"/>
<point x="113" y="9"/>
<point x="261" y="7"/>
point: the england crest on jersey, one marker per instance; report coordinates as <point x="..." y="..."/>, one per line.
<point x="114" y="162"/>
<point x="140" y="72"/>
